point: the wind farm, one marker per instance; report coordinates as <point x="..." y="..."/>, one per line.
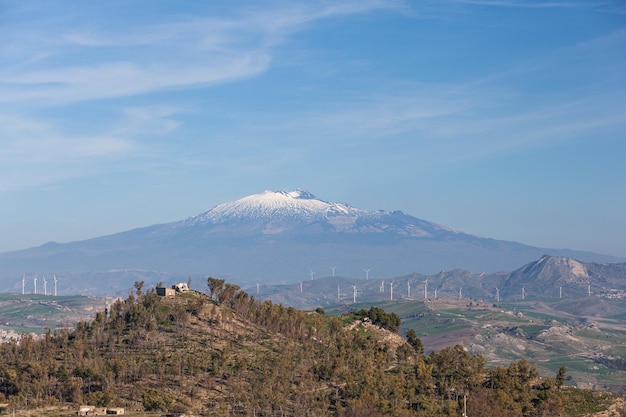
<point x="44" y="282"/>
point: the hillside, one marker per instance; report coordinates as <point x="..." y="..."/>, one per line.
<point x="229" y="354"/>
<point x="586" y="332"/>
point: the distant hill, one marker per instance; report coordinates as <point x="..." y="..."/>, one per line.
<point x="555" y="276"/>
<point x="270" y="237"/>
<point x="550" y="278"/>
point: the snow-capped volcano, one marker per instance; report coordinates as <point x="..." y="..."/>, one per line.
<point x="281" y="236"/>
<point x="272" y="205"/>
<point x="274" y="212"/>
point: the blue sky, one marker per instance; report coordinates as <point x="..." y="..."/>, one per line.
<point x="502" y="118"/>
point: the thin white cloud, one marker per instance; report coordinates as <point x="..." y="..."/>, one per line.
<point x="36" y="152"/>
<point x="41" y="161"/>
<point x="79" y="83"/>
<point x="442" y="124"/>
<point x="456" y="121"/>
<point x="79" y="65"/>
<point x="54" y="60"/>
<point x="153" y="120"/>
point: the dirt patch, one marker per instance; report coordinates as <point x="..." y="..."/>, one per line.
<point x="448" y="339"/>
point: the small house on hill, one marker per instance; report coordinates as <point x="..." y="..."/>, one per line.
<point x="165" y="292"/>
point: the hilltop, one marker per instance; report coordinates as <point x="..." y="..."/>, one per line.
<point x="229" y="354"/>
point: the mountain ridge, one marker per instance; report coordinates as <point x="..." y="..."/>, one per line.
<point x="278" y="236"/>
<point x="551" y="279"/>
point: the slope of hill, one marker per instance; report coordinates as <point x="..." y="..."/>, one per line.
<point x="271" y="237"/>
<point x="232" y="355"/>
<point x="574" y="333"/>
<point x="556" y="322"/>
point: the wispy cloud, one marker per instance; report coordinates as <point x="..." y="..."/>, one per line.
<point x="79" y="83"/>
<point x="87" y="64"/>
<point x="35" y="153"/>
<point x="38" y="152"/>
<point x="62" y="60"/>
<point x="521" y="106"/>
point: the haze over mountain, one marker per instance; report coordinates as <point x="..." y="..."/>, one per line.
<point x="275" y="236"/>
<point x="552" y="279"/>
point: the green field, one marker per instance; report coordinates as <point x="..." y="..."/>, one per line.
<point x="30" y="313"/>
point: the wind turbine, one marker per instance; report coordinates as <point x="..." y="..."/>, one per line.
<point x="425" y="289"/>
<point x="435" y="293"/>
<point x="55" y="285"/>
<point x="300" y="287"/>
<point x="367" y="273"/>
<point x="560" y="292"/>
<point x="497" y="295"/>
<point x="354" y="294"/>
<point x="460" y="293"/>
<point x="408" y="289"/>
<point x="45" y="289"/>
<point x="35" y="283"/>
<point x="523" y="293"/>
<point x="333" y="269"/>
<point x="391" y="290"/>
<point x="338" y="293"/>
<point x="257" y="287"/>
<point x="589" y="290"/>
<point x="23" y="283"/>
<point x="312" y="275"/>
<point x="382" y="287"/>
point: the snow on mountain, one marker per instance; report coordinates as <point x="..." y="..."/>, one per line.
<point x="279" y="236"/>
<point x="270" y="205"/>
<point x="278" y="211"/>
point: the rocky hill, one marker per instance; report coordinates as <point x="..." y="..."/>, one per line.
<point x="550" y="278"/>
<point x="556" y="276"/>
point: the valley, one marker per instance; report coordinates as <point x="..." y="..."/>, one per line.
<point x="591" y="347"/>
<point x="31" y="313"/>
